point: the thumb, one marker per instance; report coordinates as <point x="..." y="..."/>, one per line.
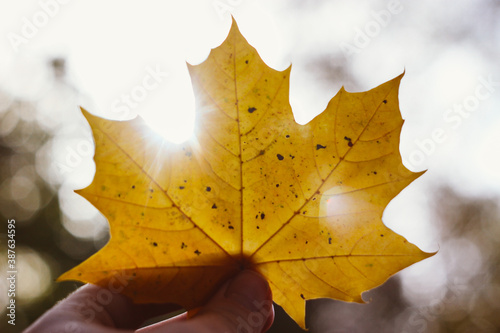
<point x="243" y="305"/>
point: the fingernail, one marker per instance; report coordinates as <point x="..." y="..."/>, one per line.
<point x="250" y="290"/>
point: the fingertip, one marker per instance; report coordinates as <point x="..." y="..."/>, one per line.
<point x="251" y="290"/>
<point x="243" y="304"/>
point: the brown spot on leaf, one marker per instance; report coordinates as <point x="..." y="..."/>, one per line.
<point x="318" y="147"/>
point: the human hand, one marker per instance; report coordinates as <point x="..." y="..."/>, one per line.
<point x="243" y="304"/>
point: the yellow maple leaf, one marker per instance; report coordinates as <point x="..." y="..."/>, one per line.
<point x="300" y="204"/>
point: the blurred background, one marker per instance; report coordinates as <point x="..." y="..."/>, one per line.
<point x="56" y="55"/>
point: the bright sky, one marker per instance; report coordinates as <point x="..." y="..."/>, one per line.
<point x="449" y="95"/>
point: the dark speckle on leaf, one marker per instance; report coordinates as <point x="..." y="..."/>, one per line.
<point x="330" y="240"/>
<point x="302" y="296"/>
<point x="280" y="157"/>
<point x="181" y="187"/>
<point x="155" y="244"/>
<point x="385" y="101"/>
<point x="318" y="147"/>
<point x="214" y="206"/>
<point x="246" y="61"/>
<point x="231" y="227"/>
<point x="183" y="246"/>
<point x="208" y="189"/>
<point x="262" y="216"/>
<point x="287" y="136"/>
<point x="349" y="141"/>
<point x="133" y="186"/>
<point x="197" y="252"/>
<point x="251" y="109"/>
